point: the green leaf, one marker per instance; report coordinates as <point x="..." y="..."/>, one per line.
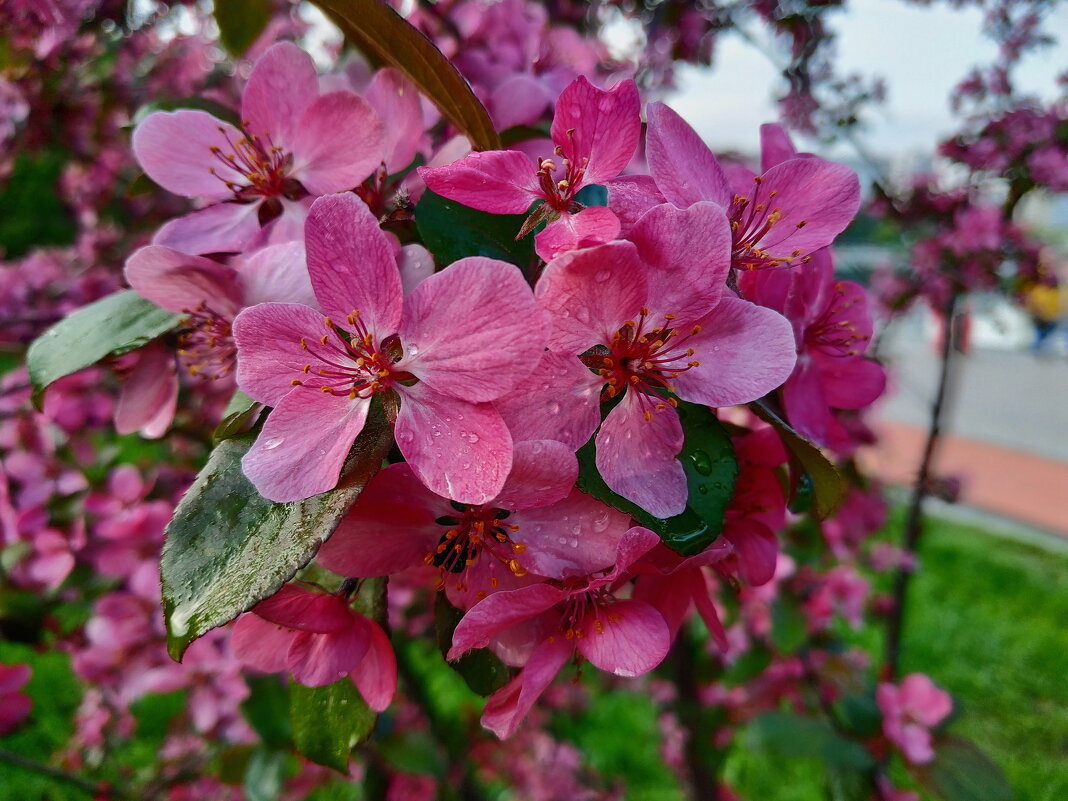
<point x="785" y="735"/>
<point x="111" y="326"/>
<point x="266" y="709"/>
<point x="789" y="626"/>
<point x="264" y="773"/>
<point x="960" y="771"/>
<point x="848" y="785"/>
<point x="228" y="547"/>
<point x="481" y="670"/>
<point x="707" y="457"/>
<point x="451" y="231"/>
<point x="329" y="721"/>
<point x="413" y="752"/>
<point x="385" y="36"/>
<point x="240" y="413"/>
<point x="828" y="487"/>
<point x="241" y="22"/>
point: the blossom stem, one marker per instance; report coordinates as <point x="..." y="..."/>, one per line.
<point x="700" y="759"/>
<point x="91" y="788"/>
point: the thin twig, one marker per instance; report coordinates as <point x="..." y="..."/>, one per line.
<point x="32" y="765"/>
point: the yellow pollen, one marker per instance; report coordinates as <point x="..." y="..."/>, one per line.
<point x="303" y="343"/>
<point x="323" y="339"/>
<point x="296" y="382"/>
<point x="648" y="416"/>
<point x="494" y="582"/>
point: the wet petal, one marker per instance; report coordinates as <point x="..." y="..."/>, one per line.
<point x="593" y="226"/>
<point x="395" y="100"/>
<point x="181" y="283"/>
<point x="507" y="707"/>
<point x="261" y="645"/>
<point x="277" y="273"/>
<point x="627" y="638"/>
<point x="221" y="228"/>
<point x="684" y="168"/>
<point x="497" y="181"/>
<point x="279" y="88"/>
<point x="150" y="394"/>
<point x="316" y="660"/>
<point x="543" y="472"/>
<point x="376" y="674"/>
<point x="500" y="611"/>
<point x="296" y="607"/>
<point x="174" y="148"/>
<point x="339" y="142"/>
<point x="598" y="128"/>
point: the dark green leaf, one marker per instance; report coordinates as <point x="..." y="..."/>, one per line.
<point x="786" y="735"/>
<point x="711" y="469"/>
<point x="483" y="672"/>
<point x="241" y="22"/>
<point x="848" y="785"/>
<point x="789" y="626"/>
<point x="264" y="773"/>
<point x="240" y="413"/>
<point x="860" y="714"/>
<point x="267" y="709"/>
<point x="329" y="721"/>
<point x="828" y="486"/>
<point x="110" y="326"/>
<point x="217" y="110"/>
<point x="960" y="771"/>
<point x="593" y="195"/>
<point x="228" y="547"/>
<point x="451" y="231"/>
<point x="385" y="36"/>
<point x="413" y="752"/>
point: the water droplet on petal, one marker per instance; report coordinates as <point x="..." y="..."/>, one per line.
<point x="273" y="443"/>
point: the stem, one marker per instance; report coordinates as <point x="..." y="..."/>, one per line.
<point x="32" y="765"/>
<point x="688" y="708"/>
<point x="914" y="516"/>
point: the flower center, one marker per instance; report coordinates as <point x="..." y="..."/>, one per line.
<point x="351" y="364"/>
<point x="585" y="609"/>
<point x="560" y="192"/>
<point x="831" y="332"/>
<point x="752" y="220"/>
<point x="262" y="165"/>
<point x="645" y="358"/>
<point x="473" y="531"/>
<point x="206" y="348"/>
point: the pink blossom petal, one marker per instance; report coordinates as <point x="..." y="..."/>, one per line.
<point x="219" y="228"/>
<point x="474" y="330"/>
<point x="575" y="537"/>
<point x="389" y="529"/>
<point x="15" y="709"/>
<point x="150" y="393"/>
<point x="415" y="264"/>
<point x="277" y="273"/>
<point x="709" y="613"/>
<point x="261" y="645"/>
<point x="460" y="450"/>
<point x="519" y="100"/>
<point x="13" y="678"/>
<point x="560" y="400"/>
<point x="591" y="293"/>
<point x="395" y="100"/>
<point x="744" y="350"/>
<point x="507" y="707"/>
<point x="303" y="609"/>
<point x="805" y="403"/>
<point x="689" y="253"/>
<point x="592" y="226"/>
<point x="500" y="611"/>
<point x="684" y="168"/>
<point x="628" y="638"/>
<point x="636" y="456"/>
<point x="775" y="146"/>
<point x="915" y="744"/>
<point x="817" y="199"/>
<point x="598" y="128"/>
<point x="279" y="88"/>
<point x="630" y="197"/>
<point x="316" y="660"/>
<point x="183" y="283"/>
<point x="303" y="444"/>
<point x="339" y="142"/>
<point x="352" y="265"/>
<point x="376" y="674"/>
<point x="757" y="549"/>
<point x="543" y="472"/>
<point x="497" y="181"/>
<point x="174" y="150"/>
<point x="671" y="595"/>
<point x="633" y="546"/>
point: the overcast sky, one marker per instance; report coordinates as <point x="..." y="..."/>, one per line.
<point x="921" y="52"/>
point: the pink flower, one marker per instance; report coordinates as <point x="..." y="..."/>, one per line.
<point x="794" y="208"/>
<point x="468" y="334"/>
<point x="14" y="706"/>
<point x="319" y="639"/>
<point x="910" y="711"/>
<point x="655" y="320"/>
<point x="833" y="326"/>
<point x="595" y="133"/>
<point x="544" y="624"/>
<point x="538" y="525"/>
<point x="293" y="143"/>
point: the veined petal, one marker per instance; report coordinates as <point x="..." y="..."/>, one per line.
<point x="474" y="330"/>
<point x="376" y="674"/>
<point x="636" y="456"/>
<point x="276" y="273"/>
<point x="220" y="228"/>
<point x="500" y="611"/>
<point x="684" y="168"/>
<point x="316" y="660"/>
<point x="744" y="352"/>
<point x="460" y="450"/>
<point x="591" y="293"/>
<point x="181" y="283"/>
<point x="851" y="383"/>
<point x="598" y="128"/>
<point x="339" y="142"/>
<point x="775" y="146"/>
<point x="389" y="529"/>
<point x="395" y="100"/>
<point x="352" y="265"/>
<point x="630" y="197"/>
<point x="296" y="607"/>
<point x="543" y="472"/>
<point x="279" y="88"/>
<point x="805" y="403"/>
<point x="416" y="265"/>
<point x="627" y="638"/>
<point x="150" y="394"/>
<point x="303" y="444"/>
<point x="507" y="707"/>
<point x="497" y="181"/>
<point x="261" y="645"/>
<point x="592" y="226"/>
<point x="174" y="148"/>
<point x="757" y="550"/>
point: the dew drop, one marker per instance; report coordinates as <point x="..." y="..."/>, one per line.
<point x="702" y="464"/>
<point x="273" y="443"/>
<point x="472" y="437"/>
<point x="601" y="276"/>
<point x="553" y="408"/>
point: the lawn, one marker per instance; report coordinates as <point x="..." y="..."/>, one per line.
<point x="986" y="620"/>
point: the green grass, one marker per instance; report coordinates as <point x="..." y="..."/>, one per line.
<point x="988" y="620"/>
